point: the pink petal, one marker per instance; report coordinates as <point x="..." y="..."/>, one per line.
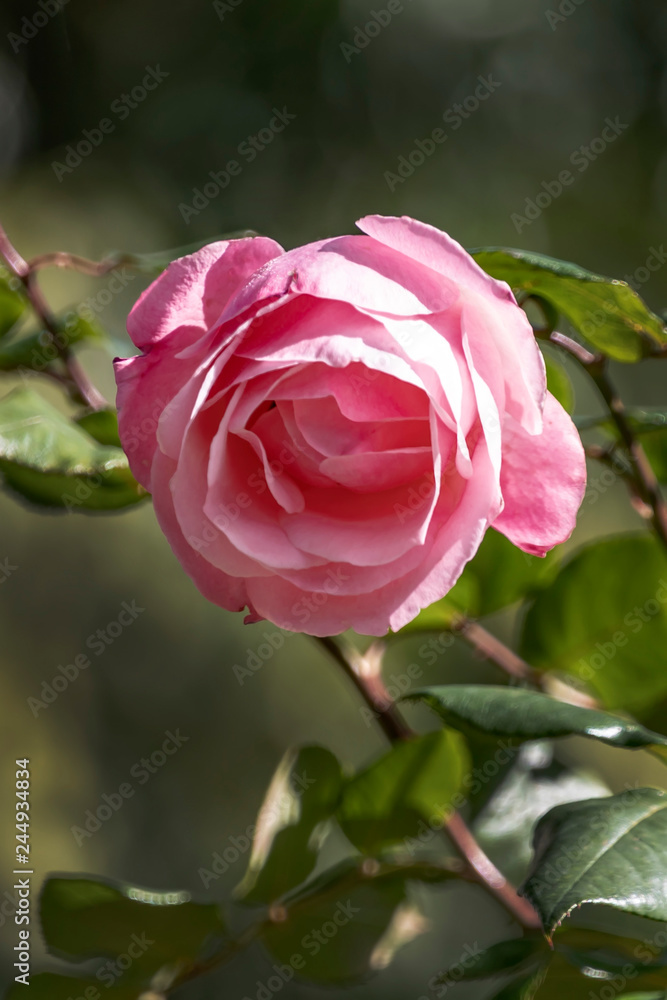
<point x="191" y="293"/>
<point x="354" y="269"/>
<point x="226" y="591"/>
<point x="543" y="480"/>
<point x="493" y="305"/>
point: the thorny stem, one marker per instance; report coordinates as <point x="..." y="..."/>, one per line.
<point x="644" y="478"/>
<point x="26" y="275"/>
<point x="366" y="676"/>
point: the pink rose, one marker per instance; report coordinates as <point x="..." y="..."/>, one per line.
<point x="327" y="433"/>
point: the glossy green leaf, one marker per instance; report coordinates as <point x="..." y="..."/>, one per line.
<point x="521" y="714"/>
<point x="611" y="851"/>
<point x="561" y="979"/>
<point x="343" y="927"/>
<point x="101" y="425"/>
<point x="536" y="784"/>
<point x="604" y="620"/>
<point x="412" y="784"/>
<point x="500" y="958"/>
<point x="559" y="384"/>
<point x="607" y="312"/>
<point x="13" y="302"/>
<point x="83" y="918"/>
<point x="498" y="575"/>
<point x="303" y="794"/>
<point x="50" y="461"/>
<point x="523" y="987"/>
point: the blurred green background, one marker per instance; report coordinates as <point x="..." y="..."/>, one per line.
<point x="556" y="80"/>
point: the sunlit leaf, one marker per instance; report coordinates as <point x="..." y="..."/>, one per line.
<point x="51" y="461"/>
<point x="604" y="620"/>
<point x="290" y="827"/>
<point x="407" y="788"/>
<point x="606" y="312"/>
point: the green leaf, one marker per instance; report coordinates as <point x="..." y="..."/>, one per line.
<point x="522" y="988"/>
<point x="52" y="462"/>
<point x="611" y="851"/>
<point x="529" y="715"/>
<point x="343" y="927"/>
<point x="101" y="425"/>
<point x="655" y="446"/>
<point x="505" y="956"/>
<point x="536" y="784"/>
<point x="13" y="302"/>
<point x="559" y="384"/>
<point x="37" y="350"/>
<point x="405" y="789"/>
<point x="560" y="979"/>
<point x="52" y="986"/>
<point x="291" y="824"/>
<point x="83" y="918"/>
<point x="607" y="312"/>
<point x="604" y="620"/>
<point x="498" y="575"/>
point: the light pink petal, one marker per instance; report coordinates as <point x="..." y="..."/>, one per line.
<point x="543" y="480"/>
<point x="147" y="384"/>
<point x="191" y="293"/>
<point x="354" y="269"/>
<point x="226" y="591"/>
<point x="361" y="393"/>
<point x="332" y="607"/>
<point x="492" y="302"/>
<point x="368" y="472"/>
<point x="330" y="433"/>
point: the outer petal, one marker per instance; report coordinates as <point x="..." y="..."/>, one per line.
<point x="218" y="587"/>
<point x="192" y="292"/>
<point x="543" y="480"/>
<point x="354" y="269"/>
<point x="502" y="319"/>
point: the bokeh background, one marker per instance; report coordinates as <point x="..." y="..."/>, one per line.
<point x="557" y="77"/>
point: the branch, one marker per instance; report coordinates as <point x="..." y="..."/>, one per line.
<point x="491" y="648"/>
<point x="644" y="478"/>
<point x="95" y="268"/>
<point x="365" y="674"/>
<point x="23" y="271"/>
